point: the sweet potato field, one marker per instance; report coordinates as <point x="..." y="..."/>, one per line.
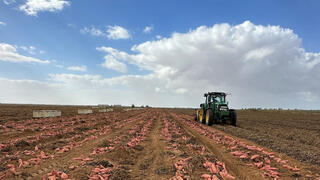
<point x="142" y="144"/>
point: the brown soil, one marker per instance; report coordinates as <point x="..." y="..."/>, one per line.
<point x="295" y="133"/>
<point x="152" y="144"/>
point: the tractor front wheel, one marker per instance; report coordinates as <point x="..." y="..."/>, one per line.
<point x="209" y="117"/>
<point x="233" y="117"/>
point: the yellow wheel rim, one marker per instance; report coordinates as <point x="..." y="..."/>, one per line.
<point x="200" y="115"/>
<point x="207" y="118"/>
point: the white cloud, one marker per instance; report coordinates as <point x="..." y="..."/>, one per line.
<point x="3" y="23"/>
<point x="260" y="65"/>
<point x="112" y="32"/>
<point x="73" y="89"/>
<point x="30" y="49"/>
<point x="117" y="32"/>
<point x="158" y="36"/>
<point x="8" y="2"/>
<point x="29" y="91"/>
<point x="111" y="63"/>
<point x="32" y="7"/>
<point x="78" y="68"/>
<point x="9" y="53"/>
<point x="93" y="31"/>
<point x="147" y="29"/>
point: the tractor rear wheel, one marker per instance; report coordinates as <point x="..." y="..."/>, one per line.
<point x="209" y="117"/>
<point x="233" y="117"/>
<point x="201" y="116"/>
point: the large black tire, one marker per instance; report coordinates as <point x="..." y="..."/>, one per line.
<point x="224" y="121"/>
<point x="209" y="117"/>
<point x="233" y="117"/>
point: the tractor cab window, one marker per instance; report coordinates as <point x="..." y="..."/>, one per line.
<point x="218" y="99"/>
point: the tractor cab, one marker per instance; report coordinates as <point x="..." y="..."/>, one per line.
<point x="216" y="100"/>
<point x="215" y="110"/>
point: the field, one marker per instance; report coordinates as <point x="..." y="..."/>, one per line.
<point x="157" y="144"/>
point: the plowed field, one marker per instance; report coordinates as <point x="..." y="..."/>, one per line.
<point x="141" y="144"/>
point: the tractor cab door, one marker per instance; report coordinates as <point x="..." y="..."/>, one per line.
<point x="208" y="100"/>
<point x="205" y="102"/>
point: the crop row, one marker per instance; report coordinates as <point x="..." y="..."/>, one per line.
<point x="252" y="155"/>
<point x="178" y="139"/>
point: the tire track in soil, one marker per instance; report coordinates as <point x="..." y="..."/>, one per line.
<point x="63" y="161"/>
<point x="153" y="162"/>
<point x="234" y="166"/>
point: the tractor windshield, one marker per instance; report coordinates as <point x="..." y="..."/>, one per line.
<point x="219" y="99"/>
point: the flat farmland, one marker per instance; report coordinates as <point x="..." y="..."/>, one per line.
<point x="140" y="144"/>
<point x="295" y="133"/>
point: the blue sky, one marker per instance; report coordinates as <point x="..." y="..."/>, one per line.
<point x="58" y="35"/>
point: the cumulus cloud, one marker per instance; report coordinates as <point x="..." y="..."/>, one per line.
<point x="147" y="29"/>
<point x="111" y="63"/>
<point x="32" y="7"/>
<point x="250" y="61"/>
<point x="9" y="53"/>
<point x="117" y="32"/>
<point x="78" y="68"/>
<point x="261" y="66"/>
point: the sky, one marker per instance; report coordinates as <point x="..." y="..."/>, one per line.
<point x="166" y="53"/>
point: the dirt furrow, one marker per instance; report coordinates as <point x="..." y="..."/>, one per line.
<point x="245" y="153"/>
<point x="64" y="160"/>
<point x="152" y="162"/>
<point x="238" y="168"/>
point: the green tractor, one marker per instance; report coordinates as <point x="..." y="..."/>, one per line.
<point x="215" y="110"/>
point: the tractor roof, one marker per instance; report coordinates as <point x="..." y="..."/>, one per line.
<point x="215" y="93"/>
<point x="212" y="93"/>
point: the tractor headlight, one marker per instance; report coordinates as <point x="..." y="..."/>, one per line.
<point x="223" y="108"/>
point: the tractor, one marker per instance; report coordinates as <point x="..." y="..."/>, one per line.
<point x="215" y="110"/>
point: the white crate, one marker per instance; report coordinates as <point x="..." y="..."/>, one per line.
<point x="46" y="113"/>
<point x="85" y="111"/>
